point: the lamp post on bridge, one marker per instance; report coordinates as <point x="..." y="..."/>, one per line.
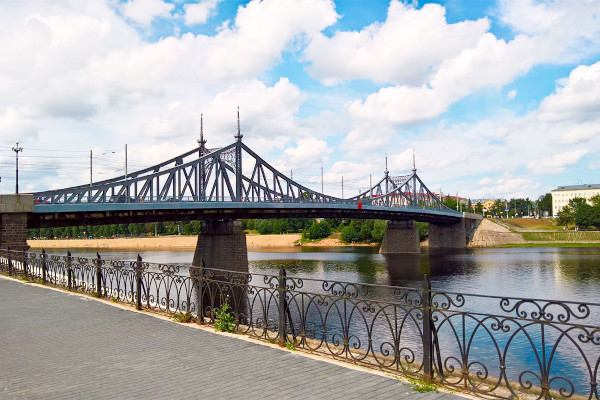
<point x="17" y="149"/>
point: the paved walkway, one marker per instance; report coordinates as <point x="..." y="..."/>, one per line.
<point x="55" y="345"/>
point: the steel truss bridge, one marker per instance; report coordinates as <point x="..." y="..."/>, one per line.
<point x="228" y="183"/>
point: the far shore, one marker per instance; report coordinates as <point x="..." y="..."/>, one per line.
<point x="183" y="243"/>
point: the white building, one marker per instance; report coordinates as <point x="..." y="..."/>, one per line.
<point x="562" y="195"/>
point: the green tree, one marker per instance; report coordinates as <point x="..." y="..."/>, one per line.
<point x="545" y="203"/>
<point x="565" y="216"/>
<point x="319" y="230"/>
<point x="378" y="231"/>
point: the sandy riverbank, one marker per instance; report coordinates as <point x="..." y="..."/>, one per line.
<point x="158" y="243"/>
<point x="178" y="242"/>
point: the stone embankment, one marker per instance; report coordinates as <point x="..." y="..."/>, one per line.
<point x="489" y="234"/>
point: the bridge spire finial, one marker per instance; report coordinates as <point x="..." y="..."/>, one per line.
<point x="201" y="141"/>
<point x="386" y="172"/>
<point x="239" y="135"/>
<point x="414" y="170"/>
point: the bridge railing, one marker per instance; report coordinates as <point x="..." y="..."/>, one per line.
<point x="502" y="347"/>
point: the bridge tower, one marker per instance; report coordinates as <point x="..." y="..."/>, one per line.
<point x="238" y="161"/>
<point x="222" y="243"/>
<point x="201" y="170"/>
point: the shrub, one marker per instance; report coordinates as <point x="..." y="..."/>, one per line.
<point x="224" y="321"/>
<point x="319" y="230"/>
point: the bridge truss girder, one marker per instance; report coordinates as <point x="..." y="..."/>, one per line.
<point x="232" y="174"/>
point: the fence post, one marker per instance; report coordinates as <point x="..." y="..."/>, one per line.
<point x="427" y="344"/>
<point x="25" y="265"/>
<point x="138" y="282"/>
<point x="99" y="274"/>
<point x="282" y="303"/>
<point x="69" y="271"/>
<point x="9" y="261"/>
<point x="44" y="256"/>
<point x="200" y="280"/>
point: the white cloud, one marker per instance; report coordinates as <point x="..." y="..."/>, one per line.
<point x="471" y="60"/>
<point x="198" y="13"/>
<point x="528" y="16"/>
<point x="145" y="11"/>
<point x="404" y="49"/>
<point x="511" y="95"/>
<point x="508" y="186"/>
<point x="594" y="165"/>
<point x="557" y="162"/>
<point x="80" y="74"/>
<point x="308" y="151"/>
<point x="578" y="99"/>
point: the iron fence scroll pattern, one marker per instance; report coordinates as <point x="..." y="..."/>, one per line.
<point x="502" y="347"/>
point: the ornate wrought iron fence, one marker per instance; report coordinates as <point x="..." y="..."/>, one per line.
<point x="493" y="346"/>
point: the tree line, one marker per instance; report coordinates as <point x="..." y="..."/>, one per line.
<point x="351" y="230"/>
<point x="516" y="207"/>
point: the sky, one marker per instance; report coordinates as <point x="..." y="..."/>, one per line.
<point x="497" y="99"/>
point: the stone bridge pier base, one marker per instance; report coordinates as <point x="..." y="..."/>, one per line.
<point x="401" y="237"/>
<point x="455" y="236"/>
<point x="448" y="236"/>
<point x="14" y="209"/>
<point x="222" y="245"/>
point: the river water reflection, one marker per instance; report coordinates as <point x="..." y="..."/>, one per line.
<point x="554" y="273"/>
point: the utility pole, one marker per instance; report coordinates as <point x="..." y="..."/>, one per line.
<point x="127" y="191"/>
<point x="342" y="186"/>
<point x="370" y="186"/>
<point x="291" y="174"/>
<point x="17" y="149"/>
<point x="321" y="179"/>
<point x="90" y="195"/>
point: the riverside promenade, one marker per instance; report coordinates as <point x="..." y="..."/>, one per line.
<point x="57" y="345"/>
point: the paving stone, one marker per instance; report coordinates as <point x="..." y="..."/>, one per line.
<point x="55" y="345"/>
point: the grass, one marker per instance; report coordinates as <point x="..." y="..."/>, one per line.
<point x="554" y="244"/>
<point x="184" y="318"/>
<point x="290" y="346"/>
<point x="421" y="386"/>
<point x="532" y="223"/>
<point x="562" y="236"/>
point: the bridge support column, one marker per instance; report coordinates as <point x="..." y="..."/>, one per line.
<point x="14" y="209"/>
<point x="222" y="245"/>
<point x="401" y="237"/>
<point x="448" y="236"/>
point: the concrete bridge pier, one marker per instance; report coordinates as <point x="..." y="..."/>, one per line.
<point x="14" y="209"/>
<point x="222" y="245"/>
<point x="455" y="236"/>
<point x="448" y="236"/>
<point x="401" y="237"/>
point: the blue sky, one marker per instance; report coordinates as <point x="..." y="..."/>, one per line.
<point x="498" y="99"/>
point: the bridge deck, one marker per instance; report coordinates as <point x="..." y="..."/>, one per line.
<point x="55" y="345"/>
<point x="47" y="215"/>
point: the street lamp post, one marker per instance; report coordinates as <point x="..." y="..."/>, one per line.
<point x="17" y="149"/>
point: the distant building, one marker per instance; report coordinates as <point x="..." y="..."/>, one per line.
<point x="488" y="205"/>
<point x="562" y="195"/>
